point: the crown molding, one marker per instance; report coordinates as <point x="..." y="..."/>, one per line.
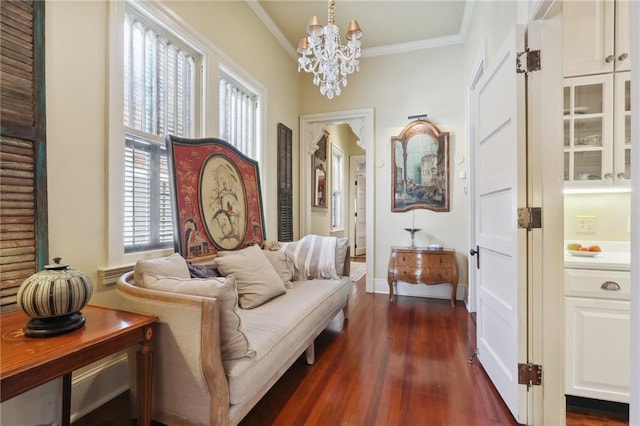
<point x="377" y="50"/>
<point x="271" y="26"/>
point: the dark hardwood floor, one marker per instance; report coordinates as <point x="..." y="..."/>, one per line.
<point x="401" y="363"/>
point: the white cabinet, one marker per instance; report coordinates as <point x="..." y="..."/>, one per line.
<point x="597" y="135"/>
<point x="596" y="36"/>
<point x="597" y="334"/>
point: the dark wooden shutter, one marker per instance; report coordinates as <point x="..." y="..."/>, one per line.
<point x="285" y="184"/>
<point x="23" y="185"/>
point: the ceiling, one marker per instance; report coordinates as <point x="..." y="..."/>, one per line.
<point x="389" y="26"/>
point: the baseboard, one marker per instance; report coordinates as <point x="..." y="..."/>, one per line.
<point x="439" y="291"/>
<point x="96" y="386"/>
<point x="597" y="405"/>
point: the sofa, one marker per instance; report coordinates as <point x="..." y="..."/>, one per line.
<point x="218" y="347"/>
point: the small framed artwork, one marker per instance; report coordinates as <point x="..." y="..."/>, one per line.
<point x="420" y="168"/>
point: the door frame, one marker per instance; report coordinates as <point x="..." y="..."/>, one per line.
<point x="476" y="73"/>
<point x="354" y="160"/>
<point x="546" y="306"/>
<point x="634" y="406"/>
<point x="311" y="128"/>
<point x="545" y="190"/>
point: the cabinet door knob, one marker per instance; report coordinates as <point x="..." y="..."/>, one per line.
<point x="623" y="56"/>
<point x="609" y="58"/>
<point x="610" y="285"/>
<point x="608" y="175"/>
<point x="621" y="175"/>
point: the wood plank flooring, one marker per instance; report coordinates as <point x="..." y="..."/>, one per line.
<point x="401" y="363"/>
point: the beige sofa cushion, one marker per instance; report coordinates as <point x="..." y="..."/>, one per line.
<point x="342" y="245"/>
<point x="283" y="265"/>
<point x="233" y="340"/>
<point x="256" y="279"/>
<point x="277" y="327"/>
<point x="168" y="266"/>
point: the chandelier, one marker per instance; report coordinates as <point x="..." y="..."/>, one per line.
<point x="322" y="54"/>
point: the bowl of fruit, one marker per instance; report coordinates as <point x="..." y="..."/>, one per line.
<point x="577" y="249"/>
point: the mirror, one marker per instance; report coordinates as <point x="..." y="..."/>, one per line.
<point x="420" y="168"/>
<point x="319" y="167"/>
<point x="319" y="198"/>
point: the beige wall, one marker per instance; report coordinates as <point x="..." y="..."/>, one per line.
<point x="611" y="212"/>
<point x="397" y="86"/>
<point x="76" y="49"/>
<point x="77" y="102"/>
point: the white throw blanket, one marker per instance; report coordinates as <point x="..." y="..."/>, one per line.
<point x="313" y="256"/>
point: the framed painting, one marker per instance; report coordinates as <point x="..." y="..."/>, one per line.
<point x="420" y="168"/>
<point x="217" y="198"/>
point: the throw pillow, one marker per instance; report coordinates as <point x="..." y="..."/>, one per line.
<point x="256" y="279"/>
<point x="168" y="266"/>
<point x="203" y="271"/>
<point x="233" y="340"/>
<point x="283" y="265"/>
<point x="342" y="245"/>
<point x="314" y="256"/>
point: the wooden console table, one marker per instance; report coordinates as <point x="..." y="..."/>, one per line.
<point x="421" y="266"/>
<point x="28" y="362"/>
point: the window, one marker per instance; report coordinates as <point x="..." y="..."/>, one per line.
<point x="161" y="74"/>
<point x="160" y="91"/>
<point x="238" y="115"/>
<point x="336" y="188"/>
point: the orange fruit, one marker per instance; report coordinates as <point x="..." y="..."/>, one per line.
<point x="595" y="248"/>
<point x="584" y="249"/>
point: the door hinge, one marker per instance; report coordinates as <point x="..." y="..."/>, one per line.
<point x="530" y="217"/>
<point x="529" y="374"/>
<point x="530" y="63"/>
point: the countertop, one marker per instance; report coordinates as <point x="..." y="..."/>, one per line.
<point x="615" y="256"/>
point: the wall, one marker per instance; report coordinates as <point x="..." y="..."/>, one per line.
<point x="342" y="137"/>
<point x="76" y="78"/>
<point x="397" y="86"/>
<point x="611" y="211"/>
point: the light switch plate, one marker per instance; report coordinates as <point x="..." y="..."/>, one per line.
<point x="586" y="224"/>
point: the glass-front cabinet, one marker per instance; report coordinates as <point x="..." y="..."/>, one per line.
<point x="622" y="131"/>
<point x="597" y="142"/>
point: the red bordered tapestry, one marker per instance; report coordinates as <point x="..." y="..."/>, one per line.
<point x="217" y="197"/>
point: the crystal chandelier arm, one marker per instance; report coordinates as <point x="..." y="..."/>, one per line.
<point x="322" y="53"/>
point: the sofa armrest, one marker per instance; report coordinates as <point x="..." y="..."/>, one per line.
<point x="189" y="377"/>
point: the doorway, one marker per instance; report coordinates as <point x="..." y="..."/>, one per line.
<point x="311" y="130"/>
<point x="358" y="221"/>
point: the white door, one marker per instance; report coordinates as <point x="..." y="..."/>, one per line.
<point x="500" y="188"/>
<point x="361" y="214"/>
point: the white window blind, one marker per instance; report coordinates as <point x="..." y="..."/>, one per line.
<point x="238" y="110"/>
<point x="159" y="98"/>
